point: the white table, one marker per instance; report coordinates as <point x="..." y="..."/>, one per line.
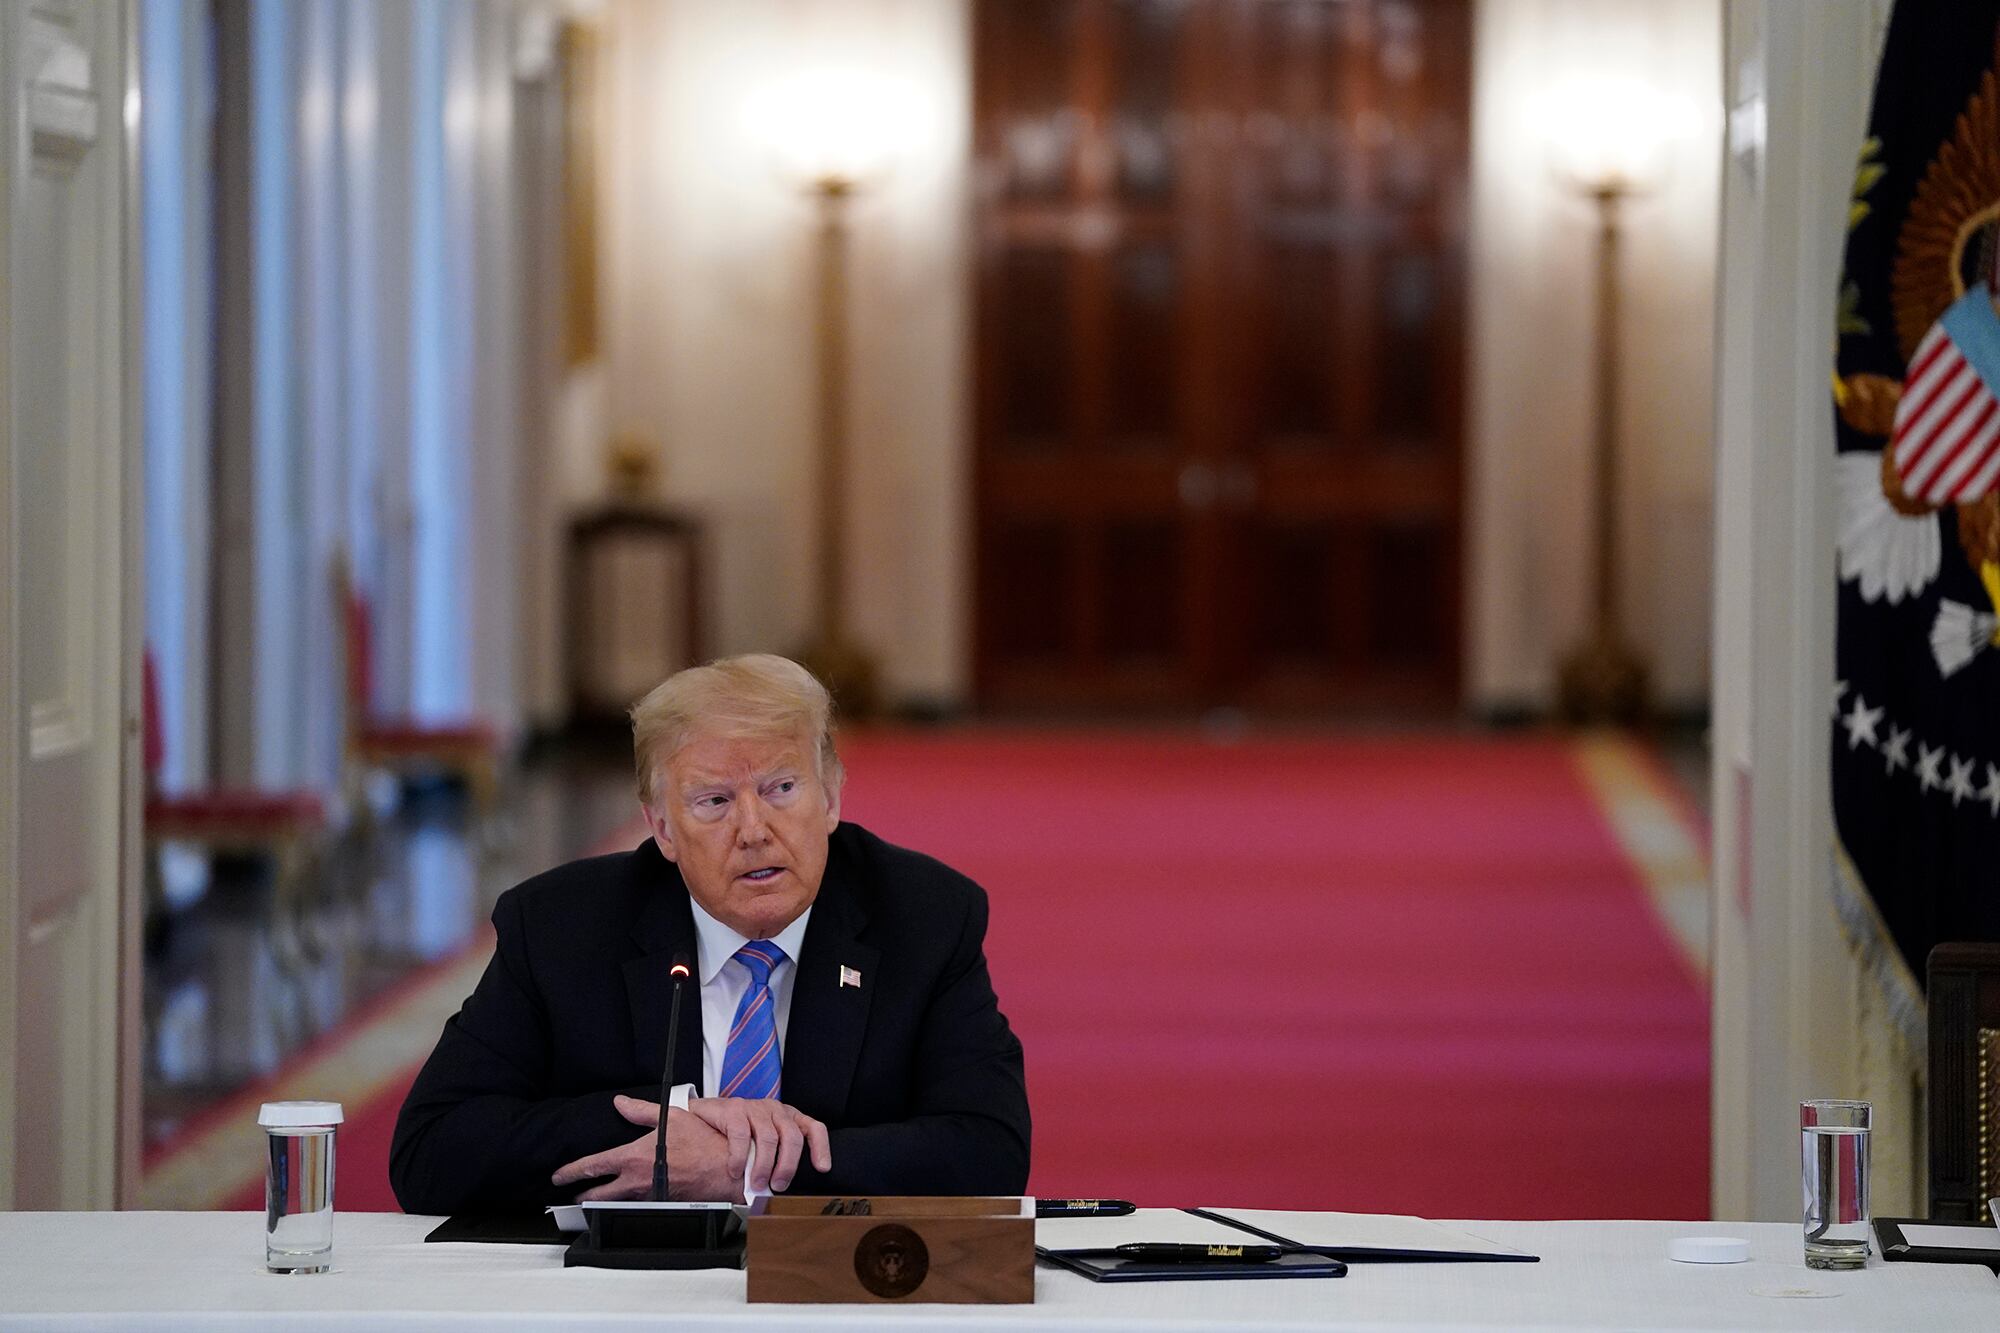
<point x="205" y="1270"/>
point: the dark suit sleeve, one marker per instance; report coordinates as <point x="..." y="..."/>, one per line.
<point x="968" y="1130"/>
<point x="479" y="1130"/>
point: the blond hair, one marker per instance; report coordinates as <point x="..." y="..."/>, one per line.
<point x="757" y="695"/>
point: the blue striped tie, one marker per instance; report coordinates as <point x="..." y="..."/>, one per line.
<point x="750" y="1061"/>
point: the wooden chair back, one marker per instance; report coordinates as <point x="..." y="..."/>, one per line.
<point x="1964" y="982"/>
<point x="154" y="748"/>
<point x="355" y="621"/>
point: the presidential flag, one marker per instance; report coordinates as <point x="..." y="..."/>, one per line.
<point x="1916" y="719"/>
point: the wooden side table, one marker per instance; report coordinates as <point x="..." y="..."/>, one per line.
<point x="633" y="576"/>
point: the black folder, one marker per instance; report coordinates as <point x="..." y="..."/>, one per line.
<point x="1107" y="1265"/>
<point x="1897" y="1248"/>
<point x="1299" y="1260"/>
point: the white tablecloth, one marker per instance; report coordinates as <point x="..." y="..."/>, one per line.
<point x="204" y="1270"/>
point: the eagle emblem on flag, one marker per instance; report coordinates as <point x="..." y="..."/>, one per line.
<point x="1946" y="450"/>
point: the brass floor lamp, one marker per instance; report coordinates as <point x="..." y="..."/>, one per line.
<point x="1603" y="679"/>
<point x="1610" y="134"/>
<point x="846" y="668"/>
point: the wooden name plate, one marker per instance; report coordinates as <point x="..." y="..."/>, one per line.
<point x="960" y="1251"/>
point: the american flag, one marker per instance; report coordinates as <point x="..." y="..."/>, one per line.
<point x="1947" y="438"/>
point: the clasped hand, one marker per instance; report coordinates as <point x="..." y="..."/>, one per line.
<point x="707" y="1147"/>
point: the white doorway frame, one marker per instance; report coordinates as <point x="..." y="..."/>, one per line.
<point x="71" y="528"/>
<point x="1791" y="1019"/>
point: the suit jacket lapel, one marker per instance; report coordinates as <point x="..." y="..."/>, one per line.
<point x="823" y="1034"/>
<point x="664" y="926"/>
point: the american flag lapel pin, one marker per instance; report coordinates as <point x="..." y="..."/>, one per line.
<point x="850" y="977"/>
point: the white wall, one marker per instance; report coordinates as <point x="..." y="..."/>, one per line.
<point x="709" y="319"/>
<point x="1529" y="425"/>
<point x="1792" y="1016"/>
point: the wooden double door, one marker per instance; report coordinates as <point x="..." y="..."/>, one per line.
<point x="1219" y="351"/>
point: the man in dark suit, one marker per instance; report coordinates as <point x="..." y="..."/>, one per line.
<point x="846" y="1030"/>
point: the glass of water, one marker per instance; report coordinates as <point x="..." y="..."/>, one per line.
<point x="298" y="1185"/>
<point x="1834" y="1137"/>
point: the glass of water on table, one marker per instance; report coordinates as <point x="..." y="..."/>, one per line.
<point x="1834" y="1138"/>
<point x="298" y="1185"/>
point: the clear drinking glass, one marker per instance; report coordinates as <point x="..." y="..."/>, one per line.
<point x="298" y="1185"/>
<point x="1834" y="1139"/>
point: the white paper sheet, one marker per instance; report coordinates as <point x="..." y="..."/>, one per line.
<point x="569" y="1216"/>
<point x="1159" y="1226"/>
<point x="1951" y="1238"/>
<point x="1378" y="1231"/>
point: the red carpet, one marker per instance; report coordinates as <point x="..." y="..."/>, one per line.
<point x="1384" y="975"/>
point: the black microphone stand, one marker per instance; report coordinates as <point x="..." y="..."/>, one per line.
<point x="658" y="1233"/>
<point x="680" y="975"/>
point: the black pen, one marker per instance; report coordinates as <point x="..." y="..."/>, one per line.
<point x="1083" y="1208"/>
<point x="1198" y="1254"/>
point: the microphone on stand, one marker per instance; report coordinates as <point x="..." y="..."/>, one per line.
<point x="654" y="1233"/>
<point x="679" y="974"/>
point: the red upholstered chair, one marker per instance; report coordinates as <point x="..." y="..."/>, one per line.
<point x="286" y="827"/>
<point x="467" y="749"/>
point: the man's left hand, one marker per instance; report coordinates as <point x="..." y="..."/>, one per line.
<point x="780" y="1133"/>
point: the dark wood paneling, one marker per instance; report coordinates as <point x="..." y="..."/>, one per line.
<point x="1032" y="564"/>
<point x="1219" y="349"/>
<point x="1140" y="588"/>
<point x="1031" y="293"/>
<point x="1145" y="315"/>
<point x="1963" y="985"/>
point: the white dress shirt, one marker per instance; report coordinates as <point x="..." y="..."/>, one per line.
<point x="723" y="984"/>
